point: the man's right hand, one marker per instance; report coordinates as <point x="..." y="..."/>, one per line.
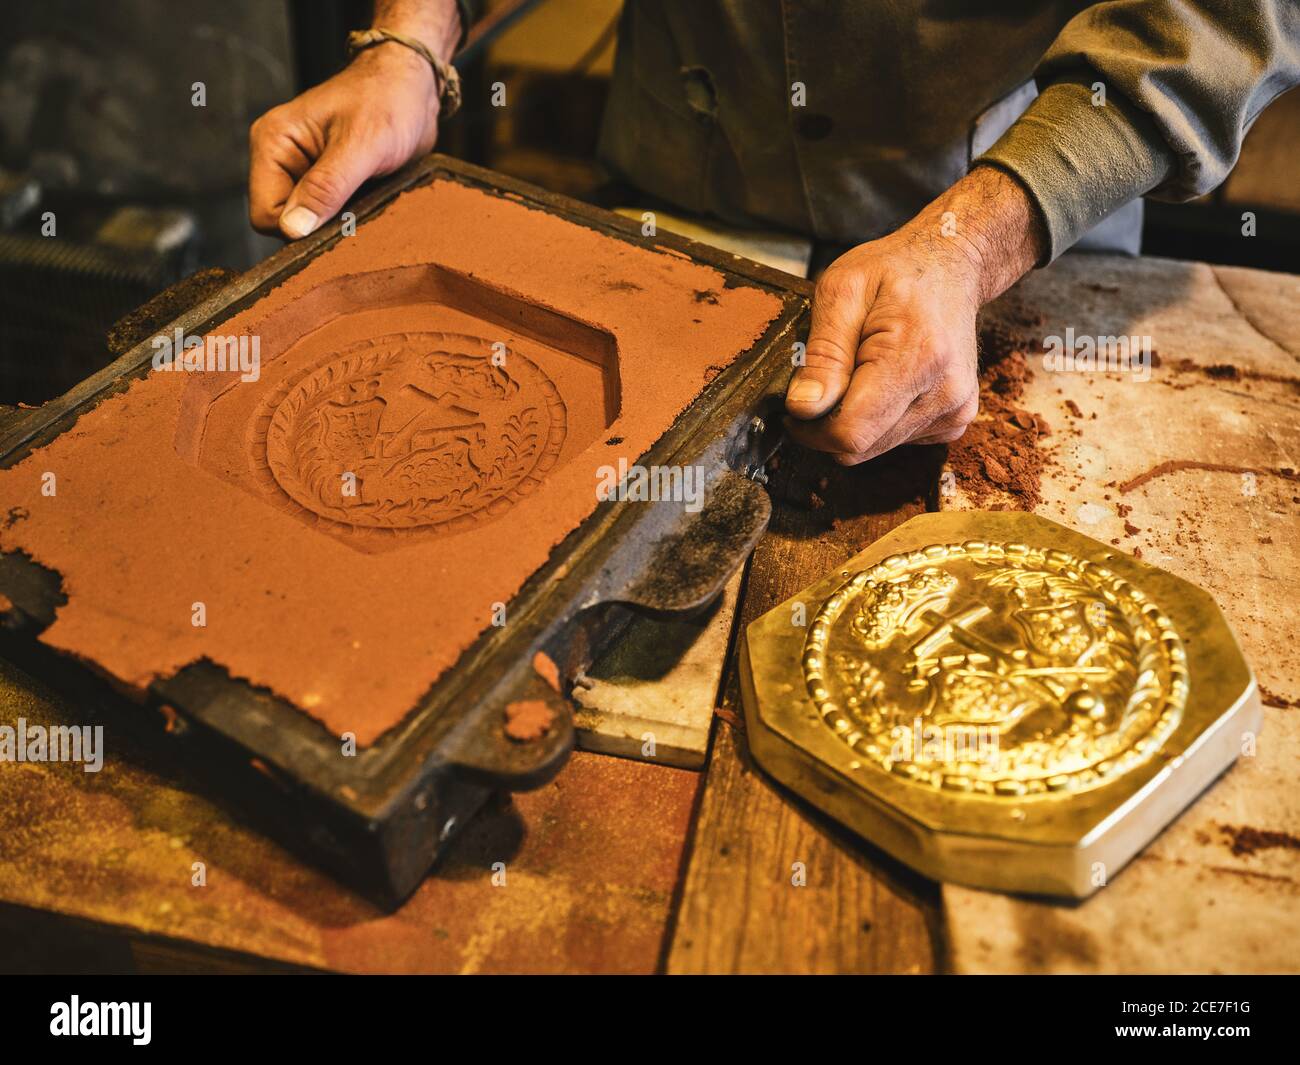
<point x="307" y="157"/>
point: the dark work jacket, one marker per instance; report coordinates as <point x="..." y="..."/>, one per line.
<point x="841" y="119"/>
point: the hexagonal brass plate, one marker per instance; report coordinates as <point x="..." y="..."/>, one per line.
<point x="999" y="701"/>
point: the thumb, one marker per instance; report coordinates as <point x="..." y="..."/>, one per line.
<point x="838" y="311"/>
<point x="323" y="190"/>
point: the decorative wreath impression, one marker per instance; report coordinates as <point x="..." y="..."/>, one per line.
<point x="411" y="431"/>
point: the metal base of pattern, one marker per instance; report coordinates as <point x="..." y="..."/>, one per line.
<point x="999" y="701"/>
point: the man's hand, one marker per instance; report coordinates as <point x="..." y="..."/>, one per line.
<point x="891" y="355"/>
<point x="307" y="157"/>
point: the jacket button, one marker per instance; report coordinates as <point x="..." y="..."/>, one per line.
<point x="814" y="127"/>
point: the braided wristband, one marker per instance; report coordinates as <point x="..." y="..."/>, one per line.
<point x="449" y="95"/>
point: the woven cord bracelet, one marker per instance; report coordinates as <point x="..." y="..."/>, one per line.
<point x="449" y="95"/>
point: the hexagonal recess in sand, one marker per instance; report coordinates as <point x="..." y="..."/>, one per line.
<point x="404" y="403"/>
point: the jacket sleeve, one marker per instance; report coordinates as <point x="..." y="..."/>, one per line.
<point x="470" y="12"/>
<point x="1183" y="80"/>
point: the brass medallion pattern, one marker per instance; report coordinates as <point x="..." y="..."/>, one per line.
<point x="412" y="431"/>
<point x="996" y="669"/>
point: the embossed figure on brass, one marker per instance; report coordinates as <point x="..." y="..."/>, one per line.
<point x="998" y="700"/>
<point x="1055" y="672"/>
<point x="412" y="430"/>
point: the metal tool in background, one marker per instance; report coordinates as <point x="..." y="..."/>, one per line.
<point x="60" y="291"/>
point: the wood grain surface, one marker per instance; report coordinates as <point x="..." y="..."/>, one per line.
<point x="1194" y="468"/>
<point x="857" y="910"/>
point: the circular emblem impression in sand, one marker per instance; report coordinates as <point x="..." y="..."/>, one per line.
<point x="414" y="431"/>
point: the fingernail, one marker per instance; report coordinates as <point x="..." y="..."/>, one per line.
<point x="298" y="222"/>
<point x="805" y="390"/>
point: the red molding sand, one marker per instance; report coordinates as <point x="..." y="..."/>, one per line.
<point x="163" y="500"/>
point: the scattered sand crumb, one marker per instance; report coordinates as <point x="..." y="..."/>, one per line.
<point x="544" y="666"/>
<point x="1000" y="456"/>
<point x="1243" y="840"/>
<point x="528" y="719"/>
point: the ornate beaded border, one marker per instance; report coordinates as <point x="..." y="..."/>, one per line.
<point x="1166" y="644"/>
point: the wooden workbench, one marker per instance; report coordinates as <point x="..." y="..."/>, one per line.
<point x="622" y="866"/>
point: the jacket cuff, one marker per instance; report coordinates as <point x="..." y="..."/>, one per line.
<point x="1080" y="162"/>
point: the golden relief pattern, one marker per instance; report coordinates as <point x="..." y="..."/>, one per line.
<point x="412" y="430"/>
<point x="996" y="669"/>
